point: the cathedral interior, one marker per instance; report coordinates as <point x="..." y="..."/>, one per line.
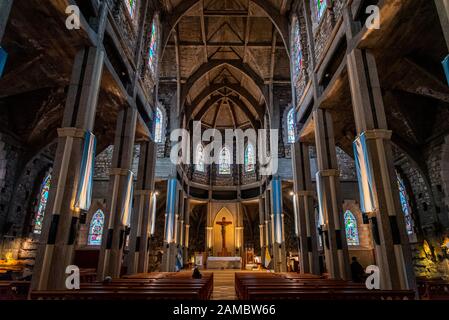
<point x="348" y="165"/>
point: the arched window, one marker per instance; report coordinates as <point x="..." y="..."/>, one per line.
<point x="297" y="50"/>
<point x="224" y="166"/>
<point x="200" y="158"/>
<point x="352" y="234"/>
<point x="43" y="198"/>
<point x="250" y="158"/>
<point x="96" y="228"/>
<point x="158" y="126"/>
<point x="291" y="126"/>
<point x="153" y="48"/>
<point x="131" y="5"/>
<point x="320" y="6"/>
<point x="403" y="197"/>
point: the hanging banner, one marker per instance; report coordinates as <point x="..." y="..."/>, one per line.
<point x="153" y="213"/>
<point x="3" y="58"/>
<point x="84" y="194"/>
<point x="277" y="209"/>
<point x="127" y="201"/>
<point x="296" y="213"/>
<point x="446" y="68"/>
<point x="364" y="174"/>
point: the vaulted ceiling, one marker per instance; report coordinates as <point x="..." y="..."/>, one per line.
<point x="225" y="54"/>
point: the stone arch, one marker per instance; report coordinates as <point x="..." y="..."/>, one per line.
<point x="83" y="235"/>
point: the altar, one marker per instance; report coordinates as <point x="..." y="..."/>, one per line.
<point x="224" y="263"/>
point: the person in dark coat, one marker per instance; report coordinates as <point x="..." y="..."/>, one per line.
<point x="357" y="271"/>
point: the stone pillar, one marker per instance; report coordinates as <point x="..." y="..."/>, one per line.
<point x="209" y="229"/>
<point x="170" y="246"/>
<point x="268" y="235"/>
<point x="262" y="237"/>
<point x="304" y="198"/>
<point x="392" y="249"/>
<point x="279" y="256"/>
<point x="5" y="10"/>
<point x="443" y="11"/>
<point x="186" y="229"/>
<point x="58" y="236"/>
<point x="111" y="254"/>
<point x="142" y="214"/>
<point x="328" y="189"/>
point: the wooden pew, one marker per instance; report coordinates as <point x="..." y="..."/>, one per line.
<point x="433" y="289"/>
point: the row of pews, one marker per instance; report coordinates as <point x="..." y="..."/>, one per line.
<point x="433" y="289"/>
<point x="269" y="286"/>
<point x="151" y="286"/>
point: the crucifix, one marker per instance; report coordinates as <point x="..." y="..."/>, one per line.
<point x="223" y="223"/>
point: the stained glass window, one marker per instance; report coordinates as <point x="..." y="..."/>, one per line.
<point x="250" y="158"/>
<point x="352" y="234"/>
<point x="224" y="166"/>
<point x="403" y="197"/>
<point x="152" y="52"/>
<point x="158" y="126"/>
<point x="320" y="8"/>
<point x="200" y="158"/>
<point x="43" y="198"/>
<point x="297" y="50"/>
<point x="131" y="5"/>
<point x="96" y="228"/>
<point x="291" y="126"/>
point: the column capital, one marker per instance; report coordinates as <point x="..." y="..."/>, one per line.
<point x="143" y="192"/>
<point x="71" y="132"/>
<point x="377" y="134"/>
<point x="329" y="173"/>
<point x="306" y="193"/>
<point x="119" y="172"/>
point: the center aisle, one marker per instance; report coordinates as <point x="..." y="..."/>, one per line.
<point x="224" y="285"/>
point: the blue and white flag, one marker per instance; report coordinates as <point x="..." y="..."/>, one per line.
<point x="127" y="201"/>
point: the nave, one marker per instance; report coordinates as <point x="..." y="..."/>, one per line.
<point x="282" y="147"/>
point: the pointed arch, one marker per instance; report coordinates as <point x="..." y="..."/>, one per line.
<point x="42" y="204"/>
<point x="250" y="158"/>
<point x="291" y="138"/>
<point x="320" y="8"/>
<point x="297" y="55"/>
<point x="405" y="205"/>
<point x="153" y="47"/>
<point x="199" y="163"/>
<point x="131" y="5"/>
<point x="96" y="227"/>
<point x="352" y="233"/>
<point x="158" y="126"/>
<point x="224" y="164"/>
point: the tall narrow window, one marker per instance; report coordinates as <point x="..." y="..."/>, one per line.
<point x="96" y="228"/>
<point x="224" y="166"/>
<point x="43" y="198"/>
<point x="153" y="48"/>
<point x="158" y="126"/>
<point x="403" y="197"/>
<point x="297" y="49"/>
<point x="320" y="8"/>
<point x="352" y="234"/>
<point x="131" y="5"/>
<point x="200" y="158"/>
<point x="291" y="126"/>
<point x="250" y="158"/>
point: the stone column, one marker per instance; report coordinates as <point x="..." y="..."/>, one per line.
<point x="392" y="249"/>
<point x="170" y="249"/>
<point x="142" y="214"/>
<point x="268" y="235"/>
<point x="304" y="198"/>
<point x="186" y="228"/>
<point x="443" y="11"/>
<point x="5" y="10"/>
<point x="279" y="256"/>
<point x="328" y="188"/>
<point x="262" y="236"/>
<point x="209" y="229"/>
<point x="111" y="254"/>
<point x="58" y="236"/>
